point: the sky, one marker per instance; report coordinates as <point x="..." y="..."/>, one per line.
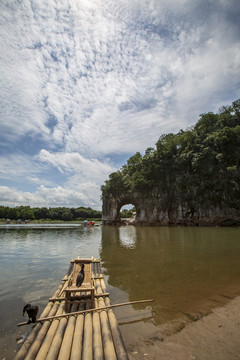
<point x="85" y="84"/>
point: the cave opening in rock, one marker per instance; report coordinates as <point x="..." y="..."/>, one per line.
<point x="127" y="212"/>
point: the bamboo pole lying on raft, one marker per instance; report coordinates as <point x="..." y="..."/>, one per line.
<point x="87" y="311"/>
<point x="65" y="285"/>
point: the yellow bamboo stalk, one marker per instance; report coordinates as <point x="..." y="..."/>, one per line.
<point x="57" y="340"/>
<point x="49" y="336"/>
<point x="76" y="353"/>
<point x="58" y="290"/>
<point x="87" y="351"/>
<point x="117" y="336"/>
<point x="65" y="285"/>
<point x="65" y="349"/>
<point x="108" y="346"/>
<point x="97" y="336"/>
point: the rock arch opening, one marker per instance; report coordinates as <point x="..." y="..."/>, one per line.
<point x="127" y="213"/>
<point x="114" y="205"/>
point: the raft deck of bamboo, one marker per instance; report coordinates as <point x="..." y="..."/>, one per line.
<point x="91" y="335"/>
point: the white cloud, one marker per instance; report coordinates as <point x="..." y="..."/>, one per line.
<point x="75" y="163"/>
<point x="80" y="184"/>
<point x="96" y="78"/>
<point x="57" y="196"/>
<point x="18" y="166"/>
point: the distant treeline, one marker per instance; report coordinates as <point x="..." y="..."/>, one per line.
<point x="58" y="213"/>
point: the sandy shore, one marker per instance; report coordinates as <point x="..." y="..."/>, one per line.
<point x="215" y="336"/>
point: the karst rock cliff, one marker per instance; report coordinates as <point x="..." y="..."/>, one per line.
<point x="154" y="209"/>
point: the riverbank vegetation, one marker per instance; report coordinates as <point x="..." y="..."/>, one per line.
<point x="198" y="165"/>
<point x="52" y="214"/>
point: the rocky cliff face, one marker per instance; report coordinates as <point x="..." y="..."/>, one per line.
<point x="154" y="209"/>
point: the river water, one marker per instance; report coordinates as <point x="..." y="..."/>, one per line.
<point x="186" y="270"/>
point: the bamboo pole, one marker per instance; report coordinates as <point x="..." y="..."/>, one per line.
<point x="58" y="290"/>
<point x="85" y="296"/>
<point x="70" y="268"/>
<point x="97" y="336"/>
<point x="40" y="336"/>
<point x="66" y="284"/>
<point x="65" y="349"/>
<point x="76" y="353"/>
<point x="87" y="311"/>
<point x="108" y="346"/>
<point x="57" y="340"/>
<point x="49" y="336"/>
<point x="117" y="336"/>
<point x="87" y="353"/>
<point x="98" y="269"/>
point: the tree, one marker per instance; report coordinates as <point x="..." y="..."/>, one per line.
<point x="201" y="163"/>
<point x="26" y="213"/>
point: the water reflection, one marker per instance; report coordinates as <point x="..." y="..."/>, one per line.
<point x="128" y="236"/>
<point x="186" y="270"/>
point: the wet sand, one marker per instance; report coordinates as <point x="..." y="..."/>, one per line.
<point x="215" y="336"/>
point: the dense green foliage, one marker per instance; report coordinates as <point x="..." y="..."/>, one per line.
<point x="201" y="163"/>
<point x="58" y="213"/>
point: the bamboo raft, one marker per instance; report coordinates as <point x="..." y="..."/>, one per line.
<point x="81" y="333"/>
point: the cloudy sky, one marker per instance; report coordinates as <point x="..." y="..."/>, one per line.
<point x="85" y="84"/>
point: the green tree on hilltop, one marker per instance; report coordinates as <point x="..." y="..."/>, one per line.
<point x="201" y="163"/>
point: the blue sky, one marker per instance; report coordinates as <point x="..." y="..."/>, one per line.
<point x="85" y="84"/>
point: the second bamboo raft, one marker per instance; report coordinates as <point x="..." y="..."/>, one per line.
<point x="89" y="336"/>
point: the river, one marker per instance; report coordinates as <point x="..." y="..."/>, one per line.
<point x="186" y="270"/>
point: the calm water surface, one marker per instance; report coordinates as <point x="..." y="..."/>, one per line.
<point x="186" y="270"/>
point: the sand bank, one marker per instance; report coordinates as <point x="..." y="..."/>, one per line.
<point x="215" y="336"/>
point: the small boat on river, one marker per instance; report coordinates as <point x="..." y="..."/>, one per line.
<point x="78" y="321"/>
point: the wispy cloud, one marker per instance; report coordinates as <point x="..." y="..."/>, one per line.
<point x="75" y="163"/>
<point x="96" y="79"/>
